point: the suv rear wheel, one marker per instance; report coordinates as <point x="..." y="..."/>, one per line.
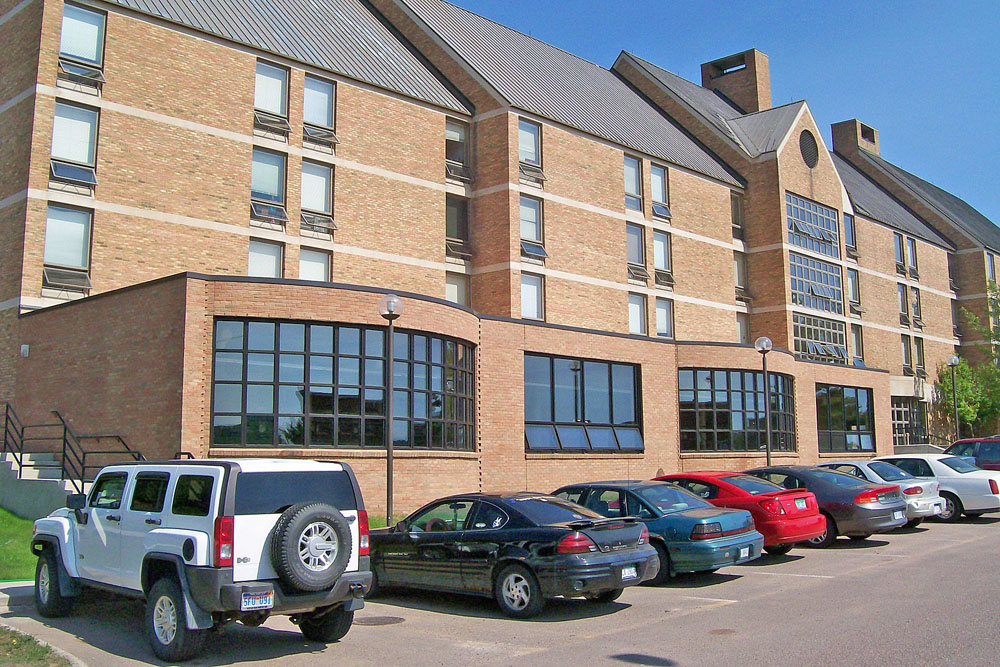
<point x="327" y="627"/>
<point x="311" y="546"/>
<point x="166" y="625"/>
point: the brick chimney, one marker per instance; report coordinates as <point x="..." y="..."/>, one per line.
<point x="850" y="135"/>
<point x="745" y="78"/>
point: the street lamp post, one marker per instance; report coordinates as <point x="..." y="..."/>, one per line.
<point x="953" y="361"/>
<point x="390" y="307"/>
<point x="764" y="345"/>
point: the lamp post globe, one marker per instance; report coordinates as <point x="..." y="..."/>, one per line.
<point x="763" y="344"/>
<point x="390" y="307"/>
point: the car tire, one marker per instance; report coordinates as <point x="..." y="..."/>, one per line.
<point x="166" y="623"/>
<point x="913" y="523"/>
<point x="974" y="515"/>
<point x="827" y="538"/>
<point x="310" y="546"/>
<point x="859" y="538"/>
<point x="711" y="571"/>
<point x="778" y="549"/>
<point x="953" y="509"/>
<point x="329" y="627"/>
<point x="606" y="596"/>
<point x="663" y="574"/>
<point x="49" y="599"/>
<point x="517" y="592"/>
<point x="375" y="589"/>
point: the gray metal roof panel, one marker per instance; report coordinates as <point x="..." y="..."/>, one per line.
<point x="872" y="201"/>
<point x="341" y="36"/>
<point x="951" y="207"/>
<point x="764" y="130"/>
<point x="544" y="80"/>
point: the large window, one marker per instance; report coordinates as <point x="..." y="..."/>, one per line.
<point x="816" y="284"/>
<point x="812" y="226"/>
<point x="845" y="419"/>
<point x="854" y="287"/>
<point x="738" y="215"/>
<point x="819" y="339"/>
<point x="659" y="191"/>
<point x="317" y="188"/>
<point x="637" y="313"/>
<point x="665" y="318"/>
<point x="292" y="384"/>
<point x="67" y="248"/>
<point x="318" y="102"/>
<point x="267" y="177"/>
<point x="909" y="421"/>
<point x="82" y="37"/>
<point x="531" y="219"/>
<point x="456" y="140"/>
<point x="580" y="405"/>
<point x="265" y="259"/>
<point x="850" y="237"/>
<point x="314" y="265"/>
<point x="532" y="297"/>
<point x="633" y="183"/>
<point x="74" y="144"/>
<point x="457" y="218"/>
<point x="529" y="142"/>
<point x="723" y="410"/>
<point x="456" y="288"/>
<point x="271" y="89"/>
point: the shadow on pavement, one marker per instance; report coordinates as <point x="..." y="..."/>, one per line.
<point x="844" y="543"/>
<point x="915" y="530"/>
<point x="115" y="625"/>
<point x="642" y="659"/>
<point x="700" y="580"/>
<point x="767" y="560"/>
<point x="980" y="520"/>
<point x="556" y="610"/>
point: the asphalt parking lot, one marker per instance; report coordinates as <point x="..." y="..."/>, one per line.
<point x="925" y="596"/>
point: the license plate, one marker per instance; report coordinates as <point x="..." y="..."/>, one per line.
<point x="898" y="514"/>
<point x="629" y="572"/>
<point x="800" y="503"/>
<point x="252" y="601"/>
<point x="745" y="552"/>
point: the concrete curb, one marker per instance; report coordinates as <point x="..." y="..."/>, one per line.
<point x="16" y="594"/>
<point x="73" y="660"/>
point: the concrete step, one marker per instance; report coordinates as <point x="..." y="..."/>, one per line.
<point x="43" y="472"/>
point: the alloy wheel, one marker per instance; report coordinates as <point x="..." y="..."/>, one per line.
<point x="949" y="508"/>
<point x="165" y="620"/>
<point x="318" y="546"/>
<point x="43" y="582"/>
<point x="516" y="591"/>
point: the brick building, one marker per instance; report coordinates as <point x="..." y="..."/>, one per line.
<point x="203" y="203"/>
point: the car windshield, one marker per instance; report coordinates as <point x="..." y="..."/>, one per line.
<point x="753" y="485"/>
<point x="889" y="472"/>
<point x="834" y="477"/>
<point x="668" y="498"/>
<point x="547" y="510"/>
<point x="959" y="465"/>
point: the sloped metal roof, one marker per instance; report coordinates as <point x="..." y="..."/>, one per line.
<point x="958" y="211"/>
<point x="544" y="80"/>
<point x="872" y="201"/>
<point x="341" y="36"/>
<point x="756" y="133"/>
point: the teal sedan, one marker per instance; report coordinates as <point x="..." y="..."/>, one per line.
<point x="690" y="534"/>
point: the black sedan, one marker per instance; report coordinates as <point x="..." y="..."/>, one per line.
<point x="519" y="548"/>
<point x="852" y="506"/>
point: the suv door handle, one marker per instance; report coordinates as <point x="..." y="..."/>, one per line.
<point x="114" y="517"/>
<point x="153" y="522"/>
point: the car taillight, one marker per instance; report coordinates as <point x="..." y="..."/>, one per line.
<point x="576" y="543"/>
<point x="913" y="490"/>
<point x="772" y="506"/>
<point x="223" y="541"/>
<point x="706" y="531"/>
<point x="993" y="486"/>
<point x="643" y="536"/>
<point x="865" y="497"/>
<point x="362" y="533"/>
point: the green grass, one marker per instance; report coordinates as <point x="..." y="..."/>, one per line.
<point x="374" y="521"/>
<point x="19" y="649"/>
<point x="16" y="559"/>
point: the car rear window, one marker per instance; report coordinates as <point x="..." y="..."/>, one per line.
<point x="546" y="510"/>
<point x="834" y="477"/>
<point x="889" y="472"/>
<point x="959" y="465"/>
<point x="669" y="498"/>
<point x="753" y="485"/>
<point x="273" y="492"/>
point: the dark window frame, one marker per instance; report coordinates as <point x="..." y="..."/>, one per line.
<point x="324" y="135"/>
<point x="444" y="362"/>
<point x="832" y="440"/>
<point x="99" y="66"/>
<point x="816" y="284"/>
<point x="50" y="270"/>
<point x="694" y="427"/>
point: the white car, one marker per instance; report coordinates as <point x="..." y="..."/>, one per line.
<point x="966" y="489"/>
<point x="921" y="496"/>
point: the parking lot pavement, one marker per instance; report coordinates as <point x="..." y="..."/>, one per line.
<point x="929" y="594"/>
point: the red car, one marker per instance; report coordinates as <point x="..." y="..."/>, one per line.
<point x="783" y="516"/>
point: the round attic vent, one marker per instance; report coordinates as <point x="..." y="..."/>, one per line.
<point x="810" y="151"/>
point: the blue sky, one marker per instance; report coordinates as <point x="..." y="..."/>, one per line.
<point x="926" y="75"/>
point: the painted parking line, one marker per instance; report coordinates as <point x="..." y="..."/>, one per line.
<point x="722" y="600"/>
<point x="790" y="574"/>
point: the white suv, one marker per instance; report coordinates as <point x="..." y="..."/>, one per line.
<point x="210" y="542"/>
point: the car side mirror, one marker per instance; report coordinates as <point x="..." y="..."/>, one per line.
<point x="76" y="501"/>
<point x="401" y="527"/>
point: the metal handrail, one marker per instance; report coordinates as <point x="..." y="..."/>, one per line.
<point x="13" y="437"/>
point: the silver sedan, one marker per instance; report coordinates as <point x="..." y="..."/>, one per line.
<point x="921" y="495"/>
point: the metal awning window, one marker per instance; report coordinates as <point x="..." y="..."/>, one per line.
<point x="268" y="212"/>
<point x="457" y="249"/>
<point x="457" y="171"/>
<point x="664" y="277"/>
<point x="531" y="172"/>
<point x="318" y="222"/>
<point x="80" y="73"/>
<point x="661" y="210"/>
<point x="69" y="279"/>
<point x="268" y="121"/>
<point x="637" y="272"/>
<point x="533" y="250"/>
<point x="78" y="174"/>
<point x="323" y="136"/>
